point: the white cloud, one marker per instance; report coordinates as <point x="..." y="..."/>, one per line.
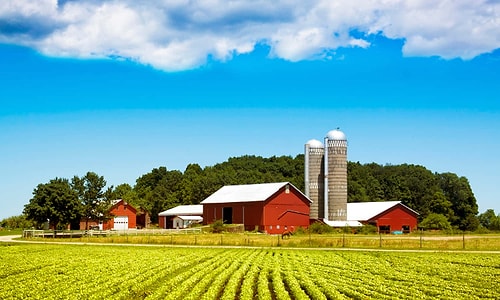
<point x="182" y="34"/>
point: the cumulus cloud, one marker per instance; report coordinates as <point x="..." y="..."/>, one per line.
<point x="177" y="35"/>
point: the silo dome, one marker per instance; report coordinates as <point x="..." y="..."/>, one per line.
<point x="336" y="135"/>
<point x="315" y="144"/>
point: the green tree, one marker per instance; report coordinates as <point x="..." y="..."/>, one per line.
<point x="126" y="192"/>
<point x="435" y="221"/>
<point x="488" y="219"/>
<point x="458" y="191"/>
<point x="362" y="184"/>
<point x="54" y="202"/>
<point x="441" y="205"/>
<point x="16" y="222"/>
<point x="91" y="193"/>
<point x="416" y="187"/>
<point x="159" y="190"/>
<point x="192" y="185"/>
<point x="495" y="224"/>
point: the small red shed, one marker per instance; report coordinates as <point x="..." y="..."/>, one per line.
<point x="123" y="217"/>
<point x="267" y="207"/>
<point x="388" y="216"/>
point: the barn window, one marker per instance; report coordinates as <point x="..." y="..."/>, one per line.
<point x="384" y="229"/>
<point x="287" y="190"/>
<point x="406" y="228"/>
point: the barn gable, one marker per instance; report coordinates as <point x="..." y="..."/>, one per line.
<point x="388" y="216"/>
<point x="123" y="216"/>
<point x="267" y="207"/>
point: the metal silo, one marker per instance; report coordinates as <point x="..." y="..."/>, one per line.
<point x="335" y="165"/>
<point x="313" y="176"/>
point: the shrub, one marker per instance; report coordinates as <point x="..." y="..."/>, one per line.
<point x="367" y="229"/>
<point x="436" y="222"/>
<point x="218" y="226"/>
<point x="320" y="228"/>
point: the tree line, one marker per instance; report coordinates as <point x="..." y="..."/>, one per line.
<point x="443" y="200"/>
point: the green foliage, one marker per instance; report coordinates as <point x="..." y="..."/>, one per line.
<point x="16" y="222"/>
<point x="90" y="190"/>
<point x="489" y="220"/>
<point x="320" y="228"/>
<point x="367" y="229"/>
<point x="418" y="188"/>
<point x="218" y="226"/>
<point x="435" y="221"/>
<point x="161" y="189"/>
<point x="84" y="272"/>
<point x="55" y="202"/>
<point x="458" y="191"/>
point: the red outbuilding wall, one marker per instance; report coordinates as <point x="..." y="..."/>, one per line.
<point x="247" y="213"/>
<point x="397" y="218"/>
<point x="120" y="209"/>
<point x="286" y="208"/>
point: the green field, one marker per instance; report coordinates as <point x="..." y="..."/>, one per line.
<point x="4" y="232"/>
<point x="45" y="271"/>
<point x="479" y="242"/>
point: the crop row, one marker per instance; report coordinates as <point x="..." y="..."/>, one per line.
<point x="118" y="272"/>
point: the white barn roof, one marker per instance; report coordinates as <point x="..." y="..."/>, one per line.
<point x="184" y="210"/>
<point x="363" y="211"/>
<point x="247" y="193"/>
<point x="190" y="218"/>
<point x="343" y="223"/>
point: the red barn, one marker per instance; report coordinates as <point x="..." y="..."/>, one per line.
<point x="388" y="216"/>
<point x="267" y="207"/>
<point x="124" y="216"/>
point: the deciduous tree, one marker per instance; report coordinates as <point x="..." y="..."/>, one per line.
<point x="54" y="202"/>
<point x="91" y="193"/>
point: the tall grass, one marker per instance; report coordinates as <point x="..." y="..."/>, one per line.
<point x="337" y="240"/>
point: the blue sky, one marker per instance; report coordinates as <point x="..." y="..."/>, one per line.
<point x="120" y="88"/>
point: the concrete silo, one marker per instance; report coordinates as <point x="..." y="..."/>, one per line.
<point x="314" y="177"/>
<point x="335" y="166"/>
<point x="326" y="176"/>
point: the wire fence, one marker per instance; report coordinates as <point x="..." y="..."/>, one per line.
<point x="195" y="236"/>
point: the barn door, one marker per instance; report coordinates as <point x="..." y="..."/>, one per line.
<point x="120" y="223"/>
<point x="227" y="215"/>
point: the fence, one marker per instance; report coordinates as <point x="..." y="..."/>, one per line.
<point x="195" y="236"/>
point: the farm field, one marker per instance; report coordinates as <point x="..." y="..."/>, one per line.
<point x="482" y="242"/>
<point x="45" y="271"/>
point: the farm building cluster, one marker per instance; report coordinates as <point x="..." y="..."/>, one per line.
<point x="276" y="207"/>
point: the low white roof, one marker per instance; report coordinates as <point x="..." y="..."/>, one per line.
<point x="363" y="211"/>
<point x="343" y="223"/>
<point x="190" y="218"/>
<point x="184" y="210"/>
<point x="247" y="193"/>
